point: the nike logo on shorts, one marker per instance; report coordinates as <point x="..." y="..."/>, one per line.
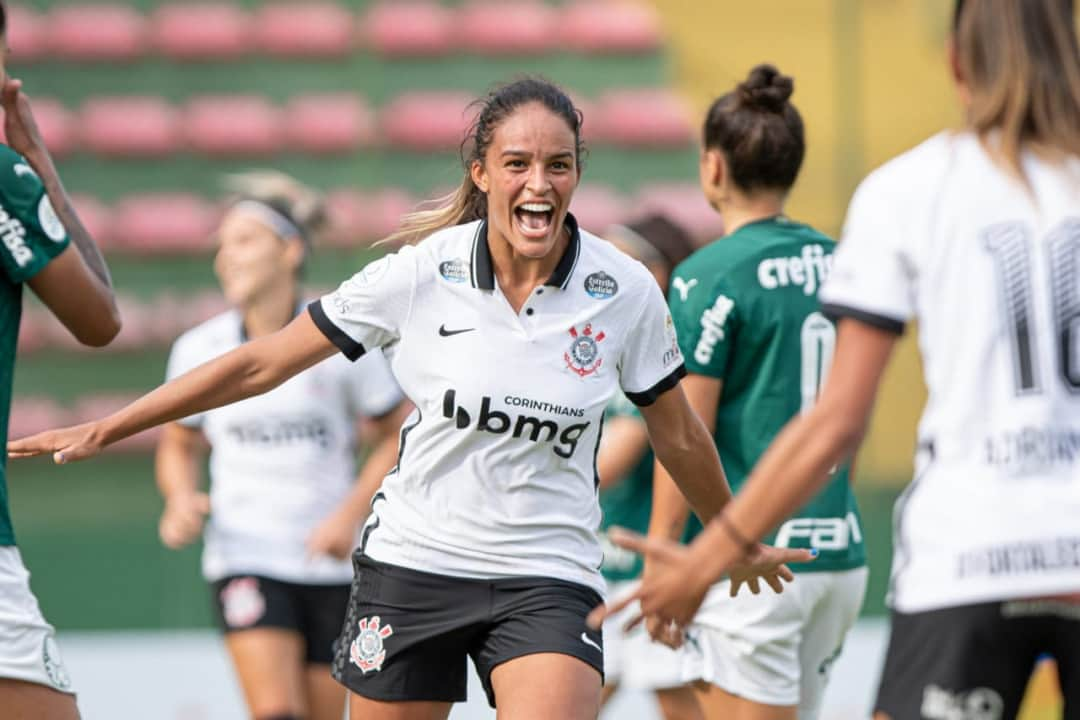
<point x="447" y="333"/>
<point x="585" y="639"/>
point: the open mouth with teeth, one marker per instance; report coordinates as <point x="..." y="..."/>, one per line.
<point x="535" y="219"/>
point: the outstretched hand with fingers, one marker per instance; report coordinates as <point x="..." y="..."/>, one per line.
<point x="65" y="445"/>
<point x="678" y="579"/>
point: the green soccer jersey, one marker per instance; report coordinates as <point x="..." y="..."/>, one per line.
<point x="627" y="504"/>
<point x="30" y="236"/>
<point x="746" y="311"/>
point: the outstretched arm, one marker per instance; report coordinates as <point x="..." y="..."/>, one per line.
<point x="251" y="369"/>
<point x="794" y="467"/>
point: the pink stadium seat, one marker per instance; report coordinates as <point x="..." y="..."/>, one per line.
<point x="305" y="29"/>
<point x="201" y="30"/>
<point x="646" y="117"/>
<point x="31" y="415"/>
<point x="409" y="28"/>
<point x="164" y="223"/>
<point x="358" y="217"/>
<point x="610" y="26"/>
<point x="233" y="125"/>
<point x="95" y="407"/>
<point x="130" y="126"/>
<point x="427" y="121"/>
<point x="508" y="27"/>
<point x="596" y="207"/>
<point x="25" y="34"/>
<point x="96" y="32"/>
<point x="55" y="123"/>
<point x="326" y="124"/>
<point x="33" y="335"/>
<point x="96" y="218"/>
<point x="685" y="205"/>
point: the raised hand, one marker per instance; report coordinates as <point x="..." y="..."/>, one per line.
<point x="182" y="520"/>
<point x="65" y="445"/>
<point x="20" y="128"/>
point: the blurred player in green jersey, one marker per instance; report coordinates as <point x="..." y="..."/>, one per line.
<point x="43" y="245"/>
<point x="625" y="466"/>
<point x="757" y="349"/>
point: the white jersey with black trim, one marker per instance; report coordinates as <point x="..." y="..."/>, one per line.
<point x="497" y="471"/>
<point x="281" y="462"/>
<point x="990" y="268"/>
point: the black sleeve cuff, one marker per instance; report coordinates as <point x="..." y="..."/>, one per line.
<point x="348" y="347"/>
<point x="881" y="322"/>
<point x="648" y="397"/>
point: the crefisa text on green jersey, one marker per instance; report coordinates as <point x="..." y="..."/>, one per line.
<point x="809" y="270"/>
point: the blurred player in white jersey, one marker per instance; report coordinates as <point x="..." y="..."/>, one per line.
<point x="976" y="234"/>
<point x="284" y="510"/>
<point x="511" y="329"/>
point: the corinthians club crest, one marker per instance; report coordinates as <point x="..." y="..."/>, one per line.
<point x="367" y="651"/>
<point x="583" y="357"/>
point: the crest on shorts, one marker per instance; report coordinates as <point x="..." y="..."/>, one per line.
<point x="583" y="357"/>
<point x="242" y="603"/>
<point x="367" y="651"/>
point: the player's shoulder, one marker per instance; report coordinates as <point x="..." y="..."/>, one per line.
<point x="603" y="271"/>
<point x="448" y="253"/>
<point x="18" y="181"/>
<point x="918" y="171"/>
<point x="213" y="335"/>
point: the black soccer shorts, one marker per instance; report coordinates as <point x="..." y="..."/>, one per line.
<point x="974" y="661"/>
<point x="407" y="633"/>
<point x="243" y="602"/>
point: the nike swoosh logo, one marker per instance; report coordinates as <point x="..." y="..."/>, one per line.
<point x="447" y="333"/>
<point x="585" y="639"/>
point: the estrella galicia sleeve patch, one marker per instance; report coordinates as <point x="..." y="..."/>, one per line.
<point x="455" y="271"/>
<point x="601" y="286"/>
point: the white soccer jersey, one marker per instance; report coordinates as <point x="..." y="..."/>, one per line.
<point x="497" y="474"/>
<point x="282" y="462"/>
<point x="991" y="270"/>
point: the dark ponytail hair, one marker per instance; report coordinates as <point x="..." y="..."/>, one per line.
<point x="759" y="131"/>
<point x="468" y="203"/>
<point x="3" y="18"/>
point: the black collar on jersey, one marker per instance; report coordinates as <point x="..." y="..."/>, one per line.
<point x="483" y="271"/>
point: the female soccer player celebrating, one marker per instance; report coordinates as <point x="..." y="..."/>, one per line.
<point x="977" y="235"/>
<point x="286" y="512"/>
<point x="510" y="329"/>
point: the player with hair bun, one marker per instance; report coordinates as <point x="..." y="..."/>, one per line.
<point x="976" y="234"/>
<point x="757" y="349"/>
<point x="285" y="502"/>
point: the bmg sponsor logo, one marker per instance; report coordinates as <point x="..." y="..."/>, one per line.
<point x="564" y="438"/>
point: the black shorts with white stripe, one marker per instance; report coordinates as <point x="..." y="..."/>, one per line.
<point x="408" y="633"/>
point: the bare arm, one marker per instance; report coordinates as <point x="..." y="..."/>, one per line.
<point x="335" y="535"/>
<point x="178" y="465"/>
<point x="669" y="509"/>
<point x="251" y="369"/>
<point x="76" y="285"/>
<point x="798" y="462"/>
<point x="794" y="467"/>
<point x="625" y="441"/>
<point x="685" y="448"/>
